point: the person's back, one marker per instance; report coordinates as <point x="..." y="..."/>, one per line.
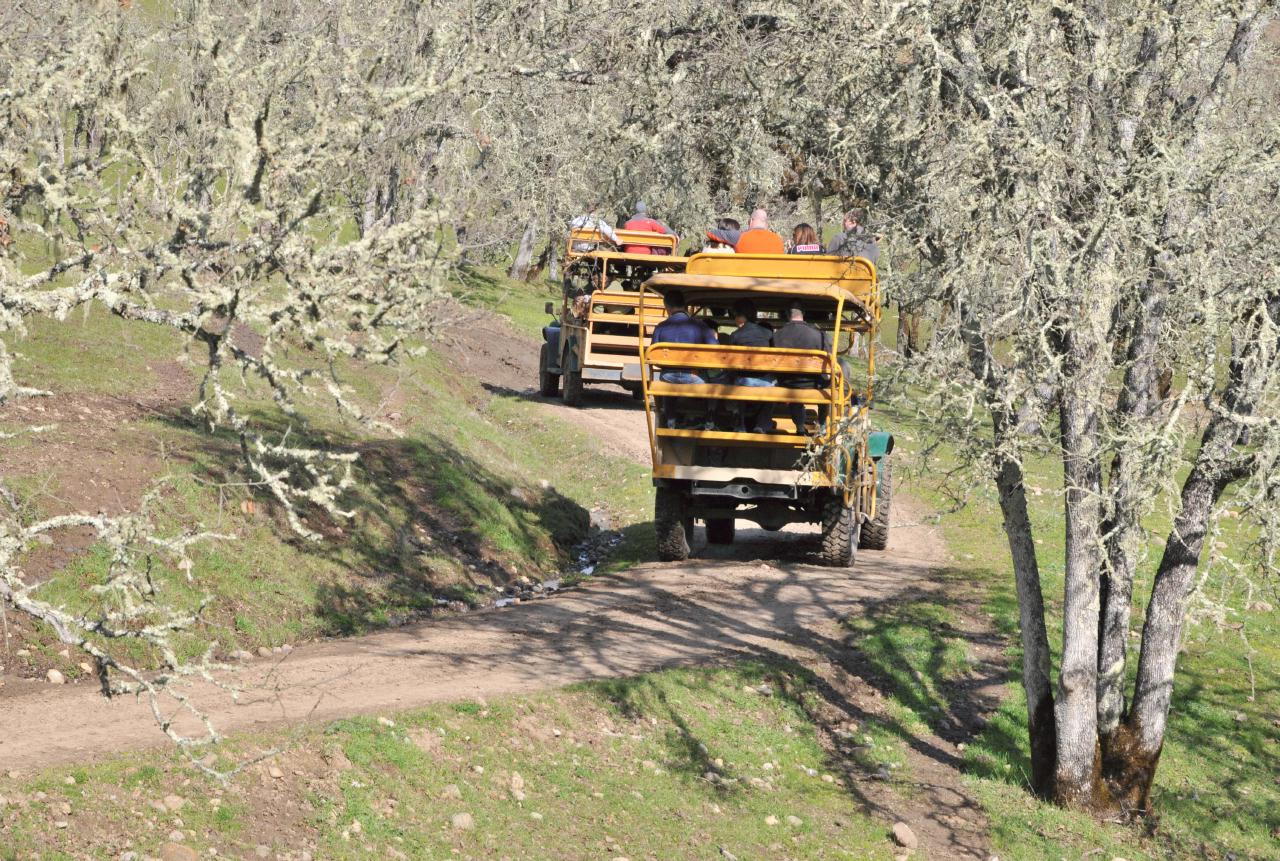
<point x="799" y="335"/>
<point x="642" y="221"/>
<point x="680" y="328"/>
<point x="804" y="240"/>
<point x="751" y="334"/>
<point x="758" y="238"/>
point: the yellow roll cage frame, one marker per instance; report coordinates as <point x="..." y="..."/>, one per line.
<point x="852" y="284"/>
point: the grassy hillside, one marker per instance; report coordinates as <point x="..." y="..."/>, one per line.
<point x="480" y="490"/>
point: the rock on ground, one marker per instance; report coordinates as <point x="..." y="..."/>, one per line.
<point x="178" y="852"/>
<point x="463" y="821"/>
<point x="904" y="836"/>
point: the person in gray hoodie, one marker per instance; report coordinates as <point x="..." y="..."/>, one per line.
<point x="855" y="241"/>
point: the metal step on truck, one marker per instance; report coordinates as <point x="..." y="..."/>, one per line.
<point x="598" y="331"/>
<point x="769" y="434"/>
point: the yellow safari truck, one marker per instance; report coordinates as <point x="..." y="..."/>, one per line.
<point x="816" y="458"/>
<point x="599" y="329"/>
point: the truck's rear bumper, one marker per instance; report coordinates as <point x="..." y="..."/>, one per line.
<point x="601" y="375"/>
<point x="725" y="473"/>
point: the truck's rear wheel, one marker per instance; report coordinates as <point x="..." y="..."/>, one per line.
<point x="875" y="532"/>
<point x="548" y="381"/>
<point x="573" y="388"/>
<point x="720" y="530"/>
<point x="841" y="525"/>
<point x="672" y="524"/>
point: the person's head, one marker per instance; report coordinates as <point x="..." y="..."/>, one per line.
<point x="759" y="220"/>
<point x="728" y="224"/>
<point x="674" y="301"/>
<point x="641" y="208"/>
<point x="804" y="234"/>
<point x="744" y="311"/>
<point x="856" y="217"/>
<point x="796" y="313"/>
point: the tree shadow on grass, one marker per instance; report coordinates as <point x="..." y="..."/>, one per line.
<point x="429" y="523"/>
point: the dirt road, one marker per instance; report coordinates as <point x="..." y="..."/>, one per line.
<point x="757" y="596"/>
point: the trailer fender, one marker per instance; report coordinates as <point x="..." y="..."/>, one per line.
<point x="551" y="335"/>
<point x="879" y="444"/>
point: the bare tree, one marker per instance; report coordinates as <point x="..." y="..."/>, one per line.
<point x="207" y="199"/>
<point x="1085" y="189"/>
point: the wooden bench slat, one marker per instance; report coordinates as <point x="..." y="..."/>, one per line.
<point x="770" y="394"/>
<point x="762" y="360"/>
<point x="732" y="437"/>
<point x="616" y="340"/>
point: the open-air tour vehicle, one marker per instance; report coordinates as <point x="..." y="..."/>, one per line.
<point x="599" y="328"/>
<point x="834" y="473"/>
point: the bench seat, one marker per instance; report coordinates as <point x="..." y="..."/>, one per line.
<point x="761" y="394"/>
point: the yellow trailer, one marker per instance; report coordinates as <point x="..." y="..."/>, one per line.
<point x="596" y="334"/>
<point x="829" y="469"/>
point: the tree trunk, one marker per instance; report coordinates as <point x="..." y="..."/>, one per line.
<point x="524" y="254"/>
<point x="537" y="268"/>
<point x="1131" y="763"/>
<point x="1078" y="767"/>
<point x="1041" y="723"/>
<point x="1123" y="529"/>
<point x="908" y="330"/>
<point x="369" y="208"/>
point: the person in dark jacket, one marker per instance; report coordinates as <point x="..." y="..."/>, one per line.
<point x="757" y="417"/>
<point x="799" y="335"/>
<point x="855" y="241"/>
<point x="680" y="328"/>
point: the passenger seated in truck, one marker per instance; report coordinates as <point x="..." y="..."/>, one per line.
<point x="722" y="238"/>
<point x="640" y="220"/>
<point x="804" y="240"/>
<point x="799" y="335"/>
<point x="751" y="416"/>
<point x="680" y="328"/>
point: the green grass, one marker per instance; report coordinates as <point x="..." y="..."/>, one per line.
<point x="522" y="304"/>
<point x="675" y="764"/>
<point x="94" y="352"/>
<point x="1216" y="787"/>
<point x="480" y="489"/>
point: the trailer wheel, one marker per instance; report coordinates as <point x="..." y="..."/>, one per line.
<point x="720" y="530"/>
<point x="671" y="523"/>
<point x="548" y="381"/>
<point x="875" y="532"/>
<point x="841" y="525"/>
<point x="573" y="388"/>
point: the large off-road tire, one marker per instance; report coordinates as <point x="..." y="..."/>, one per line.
<point x="671" y="524"/>
<point x="573" y="388"/>
<point x="841" y="525"/>
<point x="637" y="393"/>
<point x="548" y="381"/>
<point x="875" y="532"/>
<point x="720" y="530"/>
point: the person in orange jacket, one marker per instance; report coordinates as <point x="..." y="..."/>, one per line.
<point x="756" y="239"/>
